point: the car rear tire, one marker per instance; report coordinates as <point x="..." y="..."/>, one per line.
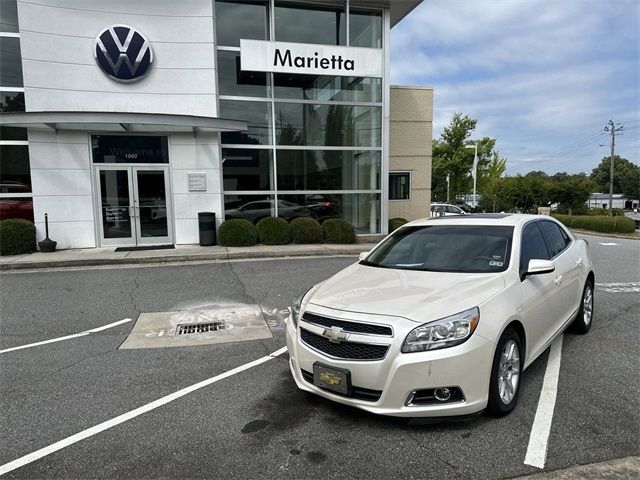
<point x="582" y="323"/>
<point x="506" y="372"/>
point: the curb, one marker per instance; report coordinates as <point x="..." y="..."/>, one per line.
<point x="179" y="258"/>
<point x="602" y="234"/>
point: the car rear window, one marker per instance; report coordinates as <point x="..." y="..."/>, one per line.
<point x="446" y="248"/>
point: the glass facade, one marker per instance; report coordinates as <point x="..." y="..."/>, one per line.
<point x="314" y="142"/>
<point x="15" y="173"/>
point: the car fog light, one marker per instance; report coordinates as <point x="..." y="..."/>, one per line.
<point x="442" y="394"/>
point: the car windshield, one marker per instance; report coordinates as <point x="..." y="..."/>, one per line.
<point x="445" y="248"/>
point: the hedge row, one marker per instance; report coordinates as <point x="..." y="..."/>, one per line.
<point x="598" y="223"/>
<point x="17" y="236"/>
<point x="395" y="223"/>
<point x="276" y="231"/>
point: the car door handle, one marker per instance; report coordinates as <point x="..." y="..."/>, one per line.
<point x="558" y="280"/>
<point x="579" y="262"/>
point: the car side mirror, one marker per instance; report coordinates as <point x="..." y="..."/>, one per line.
<point x="537" y="267"/>
<point x="363" y="255"/>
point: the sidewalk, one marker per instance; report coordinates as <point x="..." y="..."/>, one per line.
<point x="620" y="469"/>
<point x="182" y="253"/>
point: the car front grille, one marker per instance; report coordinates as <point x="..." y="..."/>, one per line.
<point x="352" y="327"/>
<point x="346" y="350"/>
<point x="356" y="392"/>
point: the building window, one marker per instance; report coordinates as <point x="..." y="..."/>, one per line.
<point x="258" y="118"/>
<point x="235" y="82"/>
<point x="326" y="88"/>
<point x="365" y="29"/>
<point x="241" y="19"/>
<point x="310" y="24"/>
<point x="247" y="169"/>
<point x="399" y="185"/>
<point x="15" y="171"/>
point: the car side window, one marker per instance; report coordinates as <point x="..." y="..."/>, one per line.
<point x="533" y="246"/>
<point x="553" y="234"/>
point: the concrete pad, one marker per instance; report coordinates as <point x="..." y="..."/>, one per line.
<point x="157" y="330"/>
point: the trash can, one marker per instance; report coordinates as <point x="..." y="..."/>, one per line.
<point x="207" y="228"/>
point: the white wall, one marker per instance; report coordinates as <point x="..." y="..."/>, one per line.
<point x="60" y="72"/>
<point x="61" y="183"/>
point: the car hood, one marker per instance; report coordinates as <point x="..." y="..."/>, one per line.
<point x="414" y="295"/>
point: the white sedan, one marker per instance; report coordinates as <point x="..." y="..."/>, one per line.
<point x="442" y="317"/>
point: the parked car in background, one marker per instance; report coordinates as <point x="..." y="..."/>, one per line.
<point x="445" y="209"/>
<point x="16" y="207"/>
<point x="259" y="209"/>
<point x="443" y="316"/>
<point x="323" y="205"/>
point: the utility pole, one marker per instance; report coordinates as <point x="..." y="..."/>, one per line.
<point x="611" y="127"/>
<point x="448" y="183"/>
<point x="474" y="171"/>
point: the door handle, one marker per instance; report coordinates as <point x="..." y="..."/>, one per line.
<point x="579" y="262"/>
<point x="132" y="212"/>
<point x="558" y="280"/>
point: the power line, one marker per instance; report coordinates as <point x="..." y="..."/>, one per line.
<point x="612" y="129"/>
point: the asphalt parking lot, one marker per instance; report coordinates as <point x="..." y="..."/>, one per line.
<point x="87" y="407"/>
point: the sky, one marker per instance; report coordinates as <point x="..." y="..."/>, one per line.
<point x="542" y="77"/>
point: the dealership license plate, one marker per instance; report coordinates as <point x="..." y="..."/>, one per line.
<point x="331" y="378"/>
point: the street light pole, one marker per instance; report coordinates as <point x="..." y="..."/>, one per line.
<point x="474" y="171"/>
<point x="448" y="183"/>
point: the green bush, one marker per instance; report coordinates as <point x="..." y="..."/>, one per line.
<point x="237" y="233"/>
<point x="617" y="212"/>
<point x="598" y="223"/>
<point x="395" y="223"/>
<point x="306" y="230"/>
<point x="17" y="236"/>
<point x="338" y="231"/>
<point x="274" y="231"/>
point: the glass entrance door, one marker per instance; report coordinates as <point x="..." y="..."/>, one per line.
<point x="134" y="205"/>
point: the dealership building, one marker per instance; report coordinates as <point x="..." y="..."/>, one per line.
<point x="122" y="120"/>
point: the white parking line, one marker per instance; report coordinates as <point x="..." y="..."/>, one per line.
<point x="67" y="337"/>
<point x="89" y="432"/>
<point x="608" y="244"/>
<point x="539" y="438"/>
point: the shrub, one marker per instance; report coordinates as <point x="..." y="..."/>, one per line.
<point x="306" y="230"/>
<point x="274" y="231"/>
<point x="598" y="223"/>
<point x="17" y="236"/>
<point x="338" y="231"/>
<point x="617" y="212"/>
<point x="395" y="223"/>
<point x="237" y="233"/>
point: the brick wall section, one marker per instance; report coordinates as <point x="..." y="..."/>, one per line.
<point x="410" y="134"/>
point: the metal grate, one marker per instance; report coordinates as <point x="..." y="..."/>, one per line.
<point x="352" y="327"/>
<point x="350" y="350"/>
<point x="199" y="328"/>
<point x="358" y="393"/>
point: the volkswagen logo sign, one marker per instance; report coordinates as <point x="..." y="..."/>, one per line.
<point x="123" y="53"/>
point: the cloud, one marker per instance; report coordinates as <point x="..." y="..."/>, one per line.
<point x="537" y="75"/>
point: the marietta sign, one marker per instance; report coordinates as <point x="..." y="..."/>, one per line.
<point x="309" y="59"/>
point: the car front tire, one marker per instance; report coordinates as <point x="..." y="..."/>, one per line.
<point x="582" y="323"/>
<point x="506" y="373"/>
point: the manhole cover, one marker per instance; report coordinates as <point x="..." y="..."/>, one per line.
<point x="198" y="327"/>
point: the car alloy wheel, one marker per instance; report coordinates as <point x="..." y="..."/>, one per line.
<point x="587" y="304"/>
<point x="509" y="372"/>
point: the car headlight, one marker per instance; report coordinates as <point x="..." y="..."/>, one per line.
<point x="446" y="332"/>
<point x="295" y="309"/>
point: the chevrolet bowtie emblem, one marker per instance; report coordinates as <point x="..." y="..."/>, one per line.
<point x="329" y="378"/>
<point x="335" y="334"/>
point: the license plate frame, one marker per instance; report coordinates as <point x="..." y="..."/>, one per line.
<point x="335" y="379"/>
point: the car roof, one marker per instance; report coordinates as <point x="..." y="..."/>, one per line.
<point x="447" y="204"/>
<point x="504" y="219"/>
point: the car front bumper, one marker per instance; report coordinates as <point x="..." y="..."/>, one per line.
<point x="397" y="375"/>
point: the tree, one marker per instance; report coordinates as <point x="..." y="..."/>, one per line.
<point x="490" y="181"/>
<point x="571" y="191"/>
<point x="451" y="157"/>
<point x="626" y="177"/>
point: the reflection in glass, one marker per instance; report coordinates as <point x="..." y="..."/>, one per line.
<point x="247" y="169"/>
<point x="9" y="16"/>
<point x="115" y="202"/>
<point x="310" y="24"/>
<point x="330" y="125"/>
<point x="16" y="208"/>
<point x="152" y="198"/>
<point x="362" y="210"/>
<point x="129" y="149"/>
<point x="365" y="29"/>
<point x="241" y="19"/>
<point x="256" y="207"/>
<point x="15" y="174"/>
<point x="10" y="62"/>
<point x="233" y="81"/>
<point x="256" y="114"/>
<point x="328" y="170"/>
<point x="12" y="102"/>
<point x="324" y="88"/>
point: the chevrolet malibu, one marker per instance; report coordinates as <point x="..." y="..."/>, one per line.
<point x="443" y="316"/>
